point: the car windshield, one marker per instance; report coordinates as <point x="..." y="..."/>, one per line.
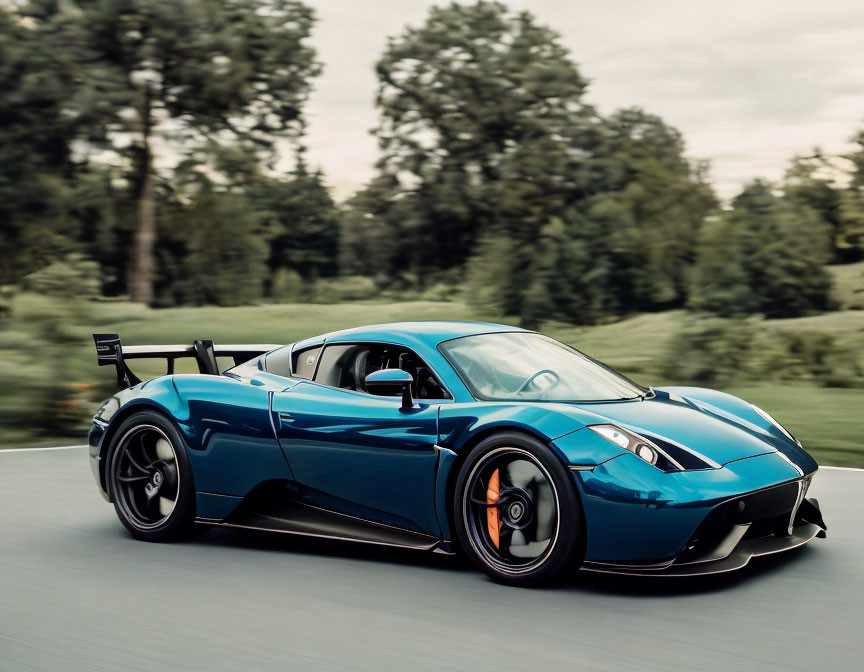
<point x="526" y="366"/>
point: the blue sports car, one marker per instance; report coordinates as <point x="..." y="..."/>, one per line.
<point x="528" y="456"/>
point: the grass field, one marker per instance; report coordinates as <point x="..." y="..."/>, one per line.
<point x="827" y="420"/>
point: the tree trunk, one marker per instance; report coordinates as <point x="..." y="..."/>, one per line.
<point x="141" y="262"/>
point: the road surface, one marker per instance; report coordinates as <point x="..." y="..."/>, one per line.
<point x="77" y="593"/>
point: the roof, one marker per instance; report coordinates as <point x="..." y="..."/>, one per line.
<point x="429" y="332"/>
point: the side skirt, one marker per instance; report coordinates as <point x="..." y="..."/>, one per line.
<point x="296" y="517"/>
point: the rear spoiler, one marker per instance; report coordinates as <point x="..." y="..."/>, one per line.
<point x="109" y="351"/>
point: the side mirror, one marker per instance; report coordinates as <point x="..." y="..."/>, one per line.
<point x="391" y="378"/>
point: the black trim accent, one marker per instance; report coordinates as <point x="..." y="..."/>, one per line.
<point x="809" y="512"/>
<point x="274" y="507"/>
<point x="109" y="350"/>
<point x="206" y="357"/>
<point x="738" y="558"/>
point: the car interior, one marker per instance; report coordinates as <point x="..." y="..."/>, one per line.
<point x="347" y="365"/>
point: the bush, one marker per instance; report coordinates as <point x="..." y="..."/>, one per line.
<point x="710" y="352"/>
<point x="74" y="277"/>
<point x="46" y="391"/>
<point x="810" y="356"/>
<point x="348" y="288"/>
<point x="763" y="256"/>
<point x="287" y="286"/>
<point x="718" y="352"/>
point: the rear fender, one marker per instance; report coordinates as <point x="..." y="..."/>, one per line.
<point x="226" y="426"/>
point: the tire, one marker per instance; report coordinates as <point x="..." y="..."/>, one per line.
<point x="150" y="480"/>
<point x="514" y="483"/>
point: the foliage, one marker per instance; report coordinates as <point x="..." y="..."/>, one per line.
<point x="719" y="352"/>
<point x="478" y="109"/>
<point x="710" y="352"/>
<point x="201" y="71"/>
<point x="346" y="288"/>
<point x="813" y="357"/>
<point x="34" y="151"/>
<point x="490" y="156"/>
<point x="75" y="277"/>
<point x="138" y="126"/>
<point x="812" y="182"/>
<point x="301" y="221"/>
<point x="764" y="256"/>
<point x="47" y="388"/>
<point x="224" y="256"/>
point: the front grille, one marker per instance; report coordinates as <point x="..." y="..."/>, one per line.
<point x="767" y="511"/>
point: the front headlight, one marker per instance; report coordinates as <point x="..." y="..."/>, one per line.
<point x="638" y="445"/>
<point x="770" y="419"/>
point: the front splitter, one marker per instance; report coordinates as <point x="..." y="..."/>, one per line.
<point x="737" y="559"/>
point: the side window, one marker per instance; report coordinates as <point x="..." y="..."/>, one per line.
<point x="347" y="366"/>
<point x="305" y="361"/>
<point x="341" y="365"/>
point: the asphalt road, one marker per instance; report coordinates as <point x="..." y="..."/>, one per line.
<point x="77" y="593"/>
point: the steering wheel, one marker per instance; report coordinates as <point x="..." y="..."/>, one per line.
<point x="530" y="379"/>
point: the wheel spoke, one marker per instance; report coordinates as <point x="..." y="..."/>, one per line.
<point x="132" y="479"/>
<point x="505" y="538"/>
<point x="145" y="452"/>
<point x="134" y="463"/>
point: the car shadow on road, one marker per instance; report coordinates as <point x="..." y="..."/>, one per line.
<point x="315" y="546"/>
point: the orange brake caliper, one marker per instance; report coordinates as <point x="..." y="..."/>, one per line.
<point x="492" y="522"/>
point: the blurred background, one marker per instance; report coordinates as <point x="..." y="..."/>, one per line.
<point x="678" y="193"/>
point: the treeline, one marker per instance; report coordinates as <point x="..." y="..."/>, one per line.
<point x="144" y="145"/>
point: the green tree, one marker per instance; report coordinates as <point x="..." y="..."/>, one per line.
<point x="188" y="73"/>
<point x="371" y="223"/>
<point x="629" y="246"/>
<point x="491" y="157"/>
<point x="463" y="99"/>
<point x="667" y="197"/>
<point x="852" y="205"/>
<point x="763" y="256"/>
<point x="302" y="222"/>
<point x="34" y="151"/>
<point x="811" y="181"/>
<point x="224" y="257"/>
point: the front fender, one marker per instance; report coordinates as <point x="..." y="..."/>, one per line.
<point x="729" y="407"/>
<point x="459" y="425"/>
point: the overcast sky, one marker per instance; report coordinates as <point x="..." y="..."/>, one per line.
<point x="750" y="83"/>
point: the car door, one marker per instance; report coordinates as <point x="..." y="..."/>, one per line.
<point x="358" y="453"/>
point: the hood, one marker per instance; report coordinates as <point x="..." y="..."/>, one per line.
<point x="710" y="430"/>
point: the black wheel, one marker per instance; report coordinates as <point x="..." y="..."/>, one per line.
<point x="517" y="512"/>
<point x="150" y="480"/>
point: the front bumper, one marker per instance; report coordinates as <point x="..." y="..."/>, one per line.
<point x="641" y="519"/>
<point x="733" y="549"/>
